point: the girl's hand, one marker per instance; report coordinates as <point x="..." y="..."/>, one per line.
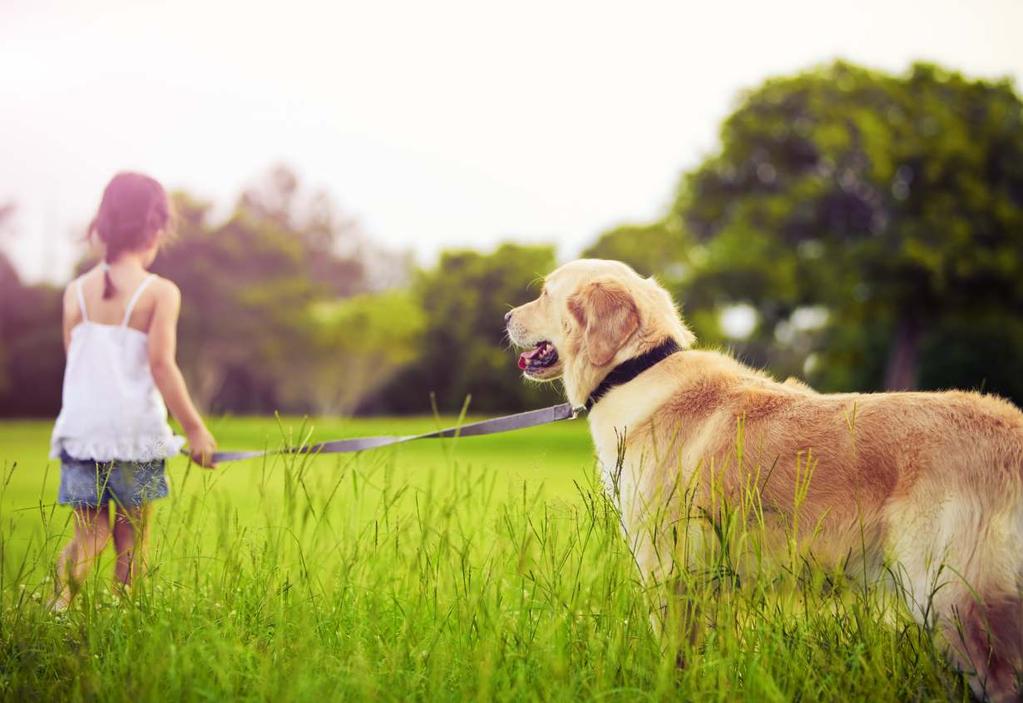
<point x="201" y="445"/>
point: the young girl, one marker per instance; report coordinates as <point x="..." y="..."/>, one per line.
<point x="112" y="435"/>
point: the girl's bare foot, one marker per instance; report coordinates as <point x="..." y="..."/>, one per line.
<point x="60" y="602"/>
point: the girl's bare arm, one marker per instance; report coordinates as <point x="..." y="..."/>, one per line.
<point x="163" y="341"/>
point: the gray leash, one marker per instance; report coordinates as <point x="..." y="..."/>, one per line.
<point x="506" y="423"/>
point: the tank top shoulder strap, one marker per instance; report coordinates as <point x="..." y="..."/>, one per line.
<point x="81" y="299"/>
<point x="135" y="298"/>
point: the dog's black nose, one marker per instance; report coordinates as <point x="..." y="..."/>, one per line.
<point x="507" y="316"/>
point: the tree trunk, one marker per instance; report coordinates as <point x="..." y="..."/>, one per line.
<point x="903" y="357"/>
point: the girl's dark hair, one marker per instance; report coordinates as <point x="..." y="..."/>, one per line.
<point x="133" y="211"/>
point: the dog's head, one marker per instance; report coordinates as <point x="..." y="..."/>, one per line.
<point x="592" y="315"/>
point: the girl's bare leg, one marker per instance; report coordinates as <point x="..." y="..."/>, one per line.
<point x="130" y="542"/>
<point x="92" y="532"/>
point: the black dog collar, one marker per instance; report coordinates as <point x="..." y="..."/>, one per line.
<point x="628" y="370"/>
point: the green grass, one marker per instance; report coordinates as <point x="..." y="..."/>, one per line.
<point x="483" y="568"/>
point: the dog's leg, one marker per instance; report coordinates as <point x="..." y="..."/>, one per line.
<point x="985" y="636"/>
<point x="959" y="566"/>
<point x="675" y="617"/>
<point x="669" y="560"/>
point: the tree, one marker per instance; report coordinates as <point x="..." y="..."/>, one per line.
<point x="331" y="241"/>
<point x="246" y="300"/>
<point x="360" y="344"/>
<point x="33" y="351"/>
<point x="657" y="249"/>
<point x="464" y="350"/>
<point x="9" y="287"/>
<point x="340" y="255"/>
<point x="893" y="200"/>
<point x="31" y="354"/>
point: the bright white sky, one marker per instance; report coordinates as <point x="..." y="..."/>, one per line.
<point x="434" y="123"/>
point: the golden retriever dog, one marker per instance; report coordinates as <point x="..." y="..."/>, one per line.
<point x="929" y="483"/>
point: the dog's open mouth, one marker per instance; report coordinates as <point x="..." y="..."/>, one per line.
<point x="541" y="357"/>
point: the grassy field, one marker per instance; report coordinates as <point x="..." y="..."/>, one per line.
<point x="484" y="569"/>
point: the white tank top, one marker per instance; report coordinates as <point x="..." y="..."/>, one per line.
<point x="111" y="408"/>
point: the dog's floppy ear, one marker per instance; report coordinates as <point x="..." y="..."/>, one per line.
<point x="607" y="314"/>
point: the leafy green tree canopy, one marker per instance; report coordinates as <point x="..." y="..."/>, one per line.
<point x="658" y="249"/>
<point x="892" y="199"/>
<point x="360" y="344"/>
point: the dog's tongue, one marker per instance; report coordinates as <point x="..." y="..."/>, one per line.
<point x="525" y="356"/>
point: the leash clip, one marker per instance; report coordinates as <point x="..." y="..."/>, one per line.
<point x="579" y="410"/>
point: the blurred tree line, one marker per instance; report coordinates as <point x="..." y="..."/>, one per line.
<point x="867" y="228"/>
<point x="31" y="350"/>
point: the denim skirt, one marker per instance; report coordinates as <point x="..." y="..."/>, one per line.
<point x="85" y="483"/>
